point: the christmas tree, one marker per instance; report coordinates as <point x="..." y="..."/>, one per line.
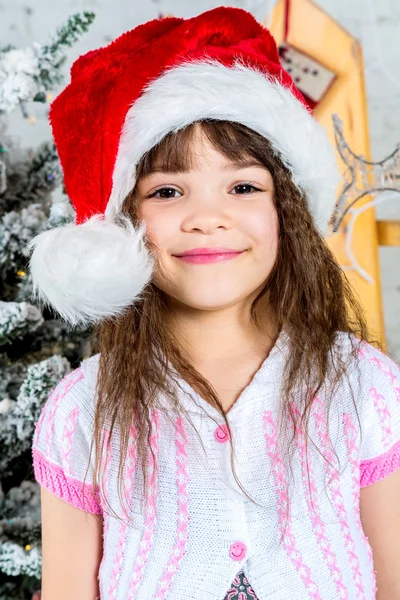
<point x="37" y="349"/>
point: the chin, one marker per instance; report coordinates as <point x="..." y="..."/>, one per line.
<point x="210" y="302"/>
<point x="209" y="294"/>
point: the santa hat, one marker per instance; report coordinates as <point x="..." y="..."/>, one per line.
<point x="121" y="101"/>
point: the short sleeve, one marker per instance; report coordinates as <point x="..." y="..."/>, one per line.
<point x="380" y="442"/>
<point x="61" y="443"/>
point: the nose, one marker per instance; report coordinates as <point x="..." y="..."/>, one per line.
<point x="207" y="213"/>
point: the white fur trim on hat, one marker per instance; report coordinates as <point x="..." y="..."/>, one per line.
<point x="90" y="271"/>
<point x="206" y="88"/>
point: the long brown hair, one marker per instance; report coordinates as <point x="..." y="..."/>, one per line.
<point x="307" y="291"/>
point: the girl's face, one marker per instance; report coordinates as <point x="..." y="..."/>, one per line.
<point x="217" y="203"/>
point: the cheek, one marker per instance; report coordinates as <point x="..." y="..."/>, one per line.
<point x="262" y="228"/>
<point x="159" y="230"/>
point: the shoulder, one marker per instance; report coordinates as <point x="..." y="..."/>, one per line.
<point x="62" y="439"/>
<point x="76" y="389"/>
<point x="368" y="365"/>
<point x="70" y="406"/>
<point x="375" y="379"/>
<point x="89" y="368"/>
<point x="371" y="385"/>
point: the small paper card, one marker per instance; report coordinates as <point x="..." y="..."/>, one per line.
<point x="309" y="76"/>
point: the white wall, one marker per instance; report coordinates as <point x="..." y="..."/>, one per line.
<point x="375" y="22"/>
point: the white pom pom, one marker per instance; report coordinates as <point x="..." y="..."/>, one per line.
<point x="90" y="271"/>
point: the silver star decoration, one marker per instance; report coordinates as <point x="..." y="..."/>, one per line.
<point x="362" y="177"/>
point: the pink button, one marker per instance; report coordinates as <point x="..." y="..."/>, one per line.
<point x="237" y="551"/>
<point x="221" y="434"/>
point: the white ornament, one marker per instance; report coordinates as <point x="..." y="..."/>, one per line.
<point x="16" y="88"/>
<point x="20" y="61"/>
<point x="6" y="406"/>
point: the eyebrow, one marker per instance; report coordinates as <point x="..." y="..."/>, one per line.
<point x="231" y="166"/>
<point x="251" y="162"/>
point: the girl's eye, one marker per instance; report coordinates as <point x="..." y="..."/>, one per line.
<point x="168" y="189"/>
<point x="163" y="190"/>
<point x="246" y="185"/>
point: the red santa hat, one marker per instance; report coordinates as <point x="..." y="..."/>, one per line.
<point x="121" y="101"/>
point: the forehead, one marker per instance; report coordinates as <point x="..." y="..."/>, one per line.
<point x="198" y="145"/>
<point x="227" y="165"/>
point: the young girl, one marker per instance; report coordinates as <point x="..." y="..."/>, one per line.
<point x="236" y="435"/>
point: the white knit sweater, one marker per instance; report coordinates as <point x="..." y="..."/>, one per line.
<point x="198" y="529"/>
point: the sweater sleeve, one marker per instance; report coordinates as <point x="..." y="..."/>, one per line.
<point x="61" y="443"/>
<point x="380" y="442"/>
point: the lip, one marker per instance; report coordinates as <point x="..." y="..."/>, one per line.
<point x="208" y="251"/>
<point x="201" y="259"/>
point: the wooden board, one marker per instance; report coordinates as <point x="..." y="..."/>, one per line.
<point x="315" y="33"/>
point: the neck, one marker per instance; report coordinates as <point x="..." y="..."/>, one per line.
<point x="221" y="337"/>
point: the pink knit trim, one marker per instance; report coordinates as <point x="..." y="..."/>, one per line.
<point x="59" y="392"/>
<point x="353" y="455"/>
<point x="150" y="512"/>
<point x="183" y="513"/>
<point x="375" y="469"/>
<point x="129" y="478"/>
<point x="336" y="493"/>
<point x="53" y="478"/>
<point x="384" y="415"/>
<point x="383" y="366"/>
<point x="289" y="540"/>
<point x="67" y="439"/>
<point x="38" y="427"/>
<point x="318" y="525"/>
<point x="105" y="467"/>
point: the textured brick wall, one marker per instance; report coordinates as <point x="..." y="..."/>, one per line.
<point x="21" y="22"/>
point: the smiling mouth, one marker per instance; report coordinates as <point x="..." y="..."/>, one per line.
<point x="209" y="258"/>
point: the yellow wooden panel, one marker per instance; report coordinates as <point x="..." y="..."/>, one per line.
<point x="314" y="32"/>
<point x="388" y="233"/>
